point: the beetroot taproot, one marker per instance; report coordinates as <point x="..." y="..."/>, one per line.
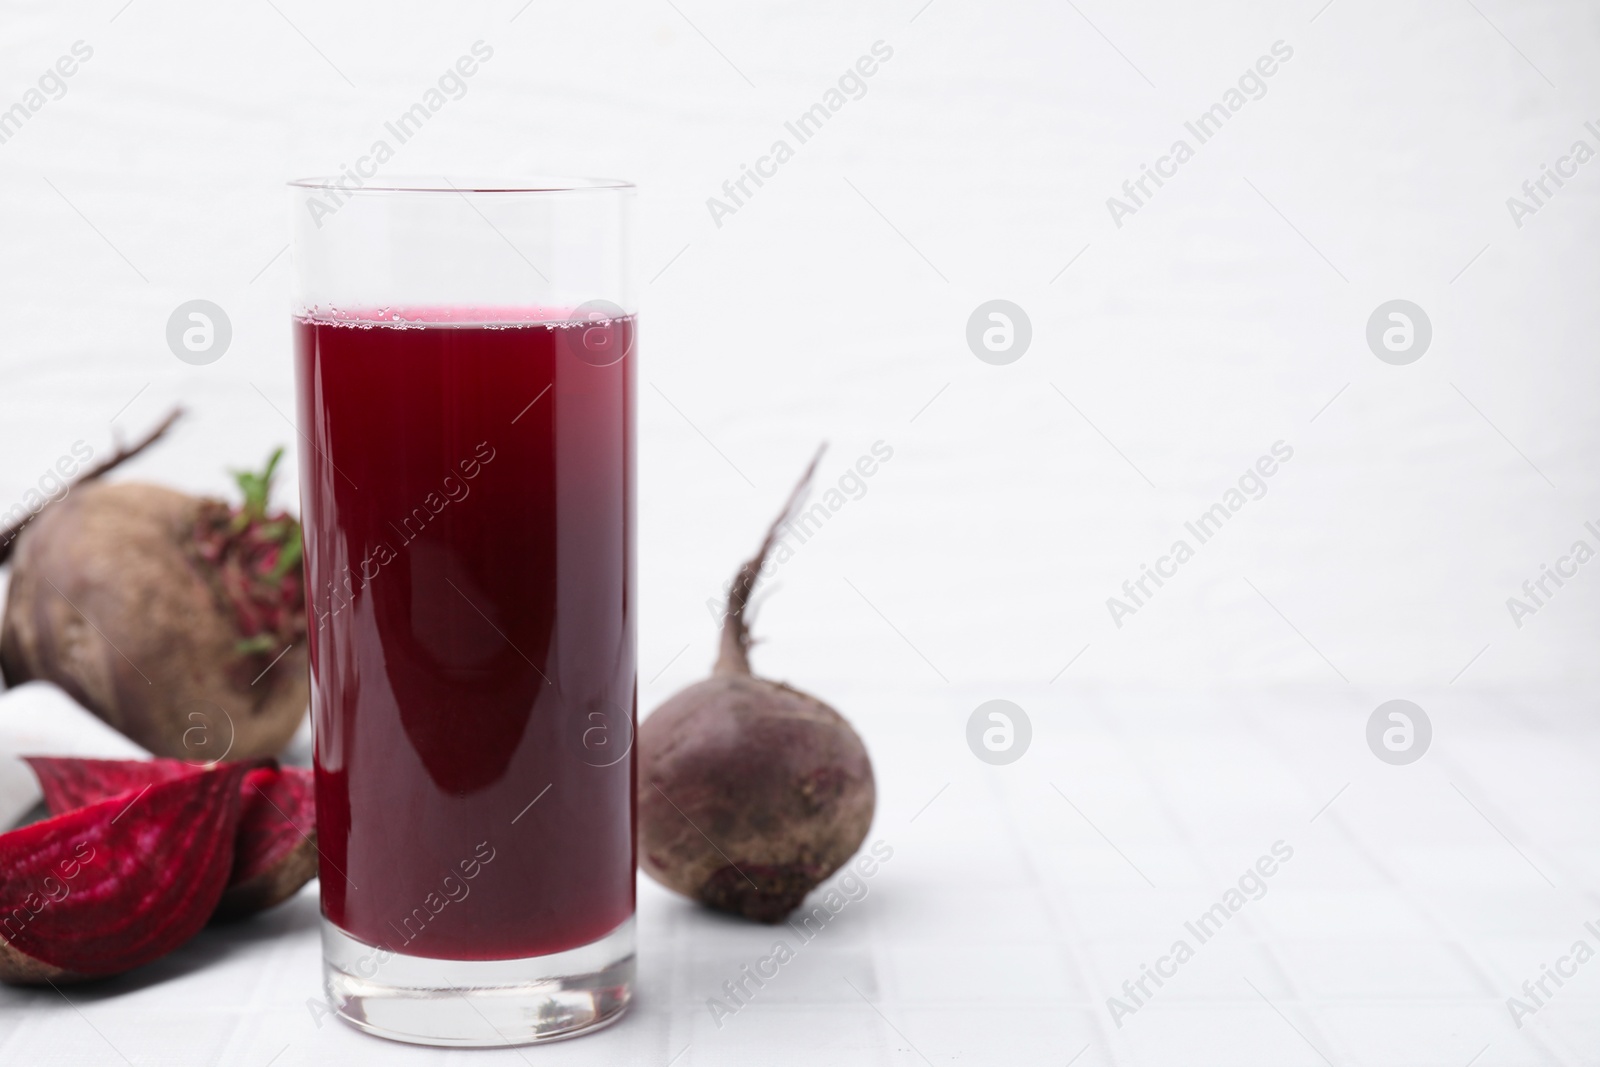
<point x="178" y="620"/>
<point x="275" y="852"/>
<point x="119" y="883"/>
<point x="751" y="792"/>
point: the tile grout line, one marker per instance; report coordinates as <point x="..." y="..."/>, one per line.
<point x="1446" y="931"/>
<point x="1203" y="860"/>
<point x="1074" y="950"/>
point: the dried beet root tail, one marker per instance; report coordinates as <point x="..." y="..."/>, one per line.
<point x="733" y="656"/>
<point x="764" y="893"/>
<point x="10" y="533"/>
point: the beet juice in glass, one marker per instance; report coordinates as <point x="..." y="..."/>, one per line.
<point x="465" y="371"/>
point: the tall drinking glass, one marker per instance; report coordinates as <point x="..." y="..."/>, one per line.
<point x="464" y="363"/>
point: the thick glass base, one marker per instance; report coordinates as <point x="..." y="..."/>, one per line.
<point x="478" y="1003"/>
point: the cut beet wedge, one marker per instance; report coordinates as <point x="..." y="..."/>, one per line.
<point x="276" y="851"/>
<point x="119" y="883"/>
<point x="70" y="784"/>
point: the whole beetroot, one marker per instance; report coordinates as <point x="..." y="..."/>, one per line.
<point x="165" y="615"/>
<point x="750" y="791"/>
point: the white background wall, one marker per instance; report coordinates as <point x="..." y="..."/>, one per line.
<point x="1193" y="337"/>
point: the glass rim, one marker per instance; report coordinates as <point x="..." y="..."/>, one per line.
<point x="532" y="185"/>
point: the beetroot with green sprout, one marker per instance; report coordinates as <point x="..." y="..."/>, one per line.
<point x="178" y="620"/>
<point x="750" y="791"/>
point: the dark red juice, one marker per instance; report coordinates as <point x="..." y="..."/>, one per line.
<point x="468" y="510"/>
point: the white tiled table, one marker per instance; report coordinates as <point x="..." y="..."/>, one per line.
<point x="1413" y="906"/>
